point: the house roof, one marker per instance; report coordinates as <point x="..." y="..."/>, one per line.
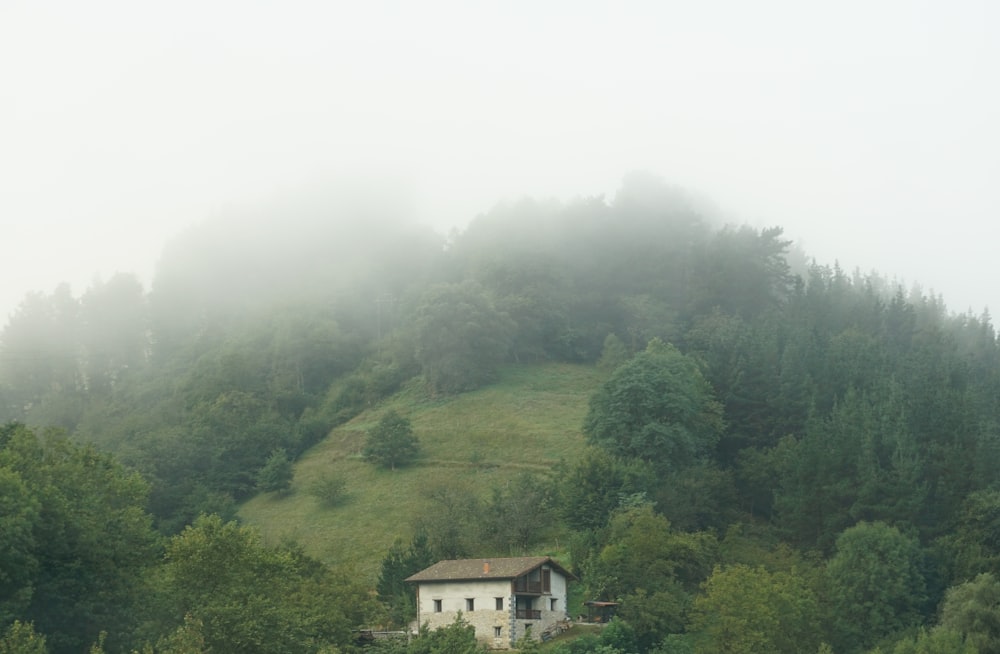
<point x="474" y="569"/>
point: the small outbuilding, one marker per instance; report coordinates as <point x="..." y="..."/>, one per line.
<point x="504" y="599"/>
<point x="600" y="612"/>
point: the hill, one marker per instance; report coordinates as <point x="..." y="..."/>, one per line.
<point x="776" y="446"/>
<point x="528" y="420"/>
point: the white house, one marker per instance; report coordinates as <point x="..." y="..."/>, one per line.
<point x="503" y="599"/>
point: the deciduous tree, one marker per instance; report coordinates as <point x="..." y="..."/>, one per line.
<point x="747" y="610"/>
<point x="597" y="484"/>
<point x="81" y="534"/>
<point x="876" y="585"/>
<point x="933" y="641"/>
<point x="972" y="609"/>
<point x="657" y="407"/>
<point x="21" y="638"/>
<point x="392" y="441"/>
<point x="252" y="598"/>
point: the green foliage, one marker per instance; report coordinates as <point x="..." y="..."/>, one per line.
<point x="456" y="638"/>
<point x="656" y="613"/>
<point x="535" y="294"/>
<point x="751" y="610"/>
<point x="21" y="638"/>
<point x="797" y="407"/>
<point x="744" y="271"/>
<point x="702" y="496"/>
<point x="861" y="463"/>
<point x="392" y="441"/>
<point x="277" y="473"/>
<point x="82" y="536"/>
<point x="114" y="331"/>
<point x="754" y="475"/>
<point x="972" y="610"/>
<point x="658" y="408"/>
<point x="19" y="517"/>
<point x="39" y="351"/>
<point x="399" y="563"/>
<point x="582" y="644"/>
<point x="247" y="597"/>
<point x="243" y="430"/>
<point x="330" y="490"/>
<point x="460" y="337"/>
<point x="875" y="584"/>
<point x="676" y="644"/>
<point x="597" y="484"/>
<point x="512" y="516"/>
<point x="98" y="647"/>
<point x="188" y="638"/>
<point x="613" y="354"/>
<point x="527" y="422"/>
<point x="212" y="459"/>
<point x="590" y="644"/>
<point x="451" y="519"/>
<point x="373" y="380"/>
<point x="619" y="636"/>
<point x="518" y="514"/>
<point x="974" y="546"/>
<point x="201" y="422"/>
<point x="934" y="641"/>
<point x="650" y="568"/>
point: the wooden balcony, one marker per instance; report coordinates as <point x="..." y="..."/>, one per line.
<point x="536" y="582"/>
<point x="528" y="614"/>
<point x="522" y="585"/>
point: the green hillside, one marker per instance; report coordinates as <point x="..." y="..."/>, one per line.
<point x="777" y="447"/>
<point x="529" y="419"/>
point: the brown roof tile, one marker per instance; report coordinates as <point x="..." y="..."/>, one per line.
<point x="470" y="569"/>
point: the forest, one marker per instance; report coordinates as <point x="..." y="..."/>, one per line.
<point x="780" y="456"/>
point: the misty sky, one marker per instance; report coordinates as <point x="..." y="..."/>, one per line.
<point x="868" y="129"/>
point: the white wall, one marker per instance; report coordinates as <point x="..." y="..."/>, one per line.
<point x="485" y="618"/>
<point x="454" y="593"/>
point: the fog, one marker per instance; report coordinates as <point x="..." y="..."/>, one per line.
<point x="867" y="129"/>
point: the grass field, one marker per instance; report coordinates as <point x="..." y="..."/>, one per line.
<point x="528" y="420"/>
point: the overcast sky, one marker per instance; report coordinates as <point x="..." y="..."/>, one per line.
<point x="868" y="129"/>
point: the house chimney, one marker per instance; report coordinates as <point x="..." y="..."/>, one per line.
<point x="486" y="567"/>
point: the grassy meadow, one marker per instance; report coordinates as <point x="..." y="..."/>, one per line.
<point x="528" y="420"/>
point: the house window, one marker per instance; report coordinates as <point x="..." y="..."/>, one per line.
<point x="470" y="604"/>
<point x="499" y="604"/>
<point x="437" y="606"/>
<point x="552" y="604"/>
<point x="497" y="632"/>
